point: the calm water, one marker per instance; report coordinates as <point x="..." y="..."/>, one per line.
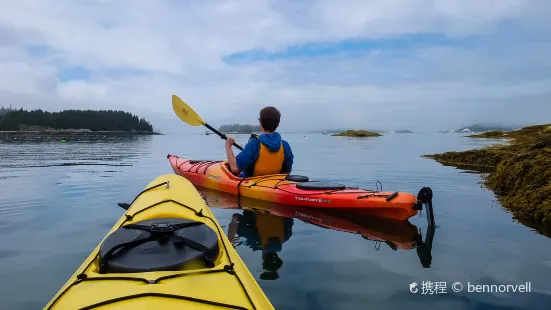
<point x="59" y="200"/>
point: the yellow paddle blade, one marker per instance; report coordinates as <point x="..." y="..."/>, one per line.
<point x="185" y="112"/>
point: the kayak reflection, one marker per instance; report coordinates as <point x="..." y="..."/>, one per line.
<point x="265" y="226"/>
<point x="265" y="232"/>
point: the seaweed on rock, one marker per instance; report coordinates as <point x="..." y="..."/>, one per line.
<point x="520" y="172"/>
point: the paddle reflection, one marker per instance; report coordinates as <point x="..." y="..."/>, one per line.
<point x="265" y="226"/>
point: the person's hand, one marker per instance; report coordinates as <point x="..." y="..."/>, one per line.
<point x="229" y="142"/>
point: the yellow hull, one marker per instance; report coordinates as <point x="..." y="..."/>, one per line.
<point x="195" y="286"/>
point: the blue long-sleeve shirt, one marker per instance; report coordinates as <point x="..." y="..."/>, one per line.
<point x="248" y="156"/>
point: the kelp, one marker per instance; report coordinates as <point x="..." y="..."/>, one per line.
<point x="519" y="172"/>
<point x="524" y="182"/>
<point x="483" y="159"/>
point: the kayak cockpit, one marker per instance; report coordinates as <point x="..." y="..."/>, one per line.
<point x="161" y="244"/>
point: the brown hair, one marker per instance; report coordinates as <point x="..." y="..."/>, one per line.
<point x="269" y="118"/>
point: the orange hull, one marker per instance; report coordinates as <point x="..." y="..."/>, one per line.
<point x="275" y="188"/>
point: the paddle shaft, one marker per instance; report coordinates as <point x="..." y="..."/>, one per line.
<point x="223" y="136"/>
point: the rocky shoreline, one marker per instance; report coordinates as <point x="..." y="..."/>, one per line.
<point x="518" y="172"/>
<point x="67" y="134"/>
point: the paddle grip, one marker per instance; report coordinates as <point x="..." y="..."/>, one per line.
<point x="223" y="136"/>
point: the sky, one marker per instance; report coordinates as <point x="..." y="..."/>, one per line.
<point x="353" y="64"/>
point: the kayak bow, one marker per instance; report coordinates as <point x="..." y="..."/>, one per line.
<point x="166" y="252"/>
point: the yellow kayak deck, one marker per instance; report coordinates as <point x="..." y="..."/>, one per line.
<point x="227" y="285"/>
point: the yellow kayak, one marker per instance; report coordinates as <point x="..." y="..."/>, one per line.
<point x="166" y="252"/>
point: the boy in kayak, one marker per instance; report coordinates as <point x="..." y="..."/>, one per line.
<point x="264" y="154"/>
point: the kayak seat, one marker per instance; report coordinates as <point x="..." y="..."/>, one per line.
<point x="320" y="186"/>
<point x="226" y="165"/>
<point x="158" y="245"/>
<point x="296" y="178"/>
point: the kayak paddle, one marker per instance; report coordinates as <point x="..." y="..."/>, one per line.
<point x="188" y="115"/>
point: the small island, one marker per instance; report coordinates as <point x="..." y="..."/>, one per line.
<point x="239" y="129"/>
<point x="17" y="124"/>
<point x="518" y="172"/>
<point x="357" y="133"/>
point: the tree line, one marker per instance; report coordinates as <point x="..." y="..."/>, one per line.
<point x="95" y="120"/>
<point x="239" y="128"/>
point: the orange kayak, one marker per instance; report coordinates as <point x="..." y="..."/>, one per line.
<point x="297" y="190"/>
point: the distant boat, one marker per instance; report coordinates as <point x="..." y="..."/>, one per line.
<point x="208" y="133"/>
<point x="324" y="133"/>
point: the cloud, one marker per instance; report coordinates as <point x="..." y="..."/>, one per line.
<point x="382" y="64"/>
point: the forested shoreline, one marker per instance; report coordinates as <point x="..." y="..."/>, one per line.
<point x="72" y="120"/>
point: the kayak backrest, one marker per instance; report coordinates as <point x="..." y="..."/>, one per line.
<point x="320" y="186"/>
<point x="158" y="245"/>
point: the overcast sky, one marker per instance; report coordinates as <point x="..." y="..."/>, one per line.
<point x="388" y="64"/>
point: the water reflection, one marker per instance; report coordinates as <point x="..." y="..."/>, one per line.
<point x="94" y="150"/>
<point x="262" y="232"/>
<point x="265" y="226"/>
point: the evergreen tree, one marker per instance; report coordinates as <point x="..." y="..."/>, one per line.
<point x="74" y="119"/>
